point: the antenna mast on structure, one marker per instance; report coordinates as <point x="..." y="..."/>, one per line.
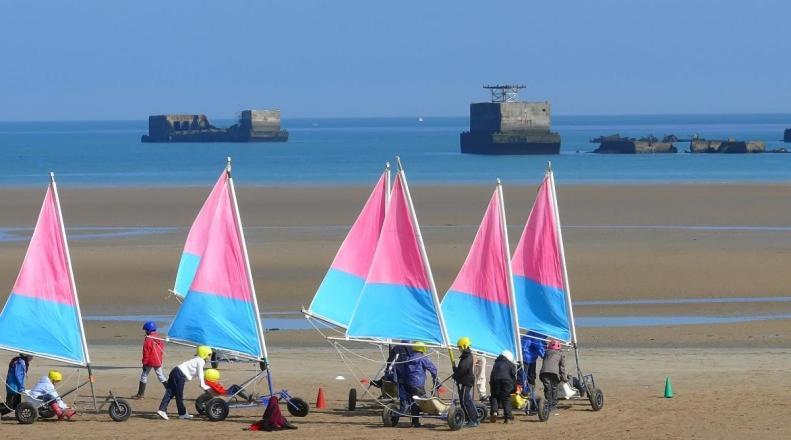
<point x="505" y="92"/>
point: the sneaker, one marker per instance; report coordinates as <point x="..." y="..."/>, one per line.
<point x="186" y="416"/>
<point x="162" y="415"/>
<point x="493" y="418"/>
<point x="472" y="424"/>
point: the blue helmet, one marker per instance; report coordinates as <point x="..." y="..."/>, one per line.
<point x="150" y="326"/>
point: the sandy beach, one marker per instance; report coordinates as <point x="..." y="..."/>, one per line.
<point x="624" y="243"/>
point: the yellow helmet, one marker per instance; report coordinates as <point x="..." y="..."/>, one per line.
<point x="203" y="351"/>
<point x="419" y="347"/>
<point x="464" y="343"/>
<point x="211" y="375"/>
<point x="55" y="376"/>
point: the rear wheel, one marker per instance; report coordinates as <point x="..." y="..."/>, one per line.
<point x="482" y="412"/>
<point x="297" y="407"/>
<point x="390" y="416"/>
<point x="543" y="409"/>
<point x="217" y="409"/>
<point x="455" y="418"/>
<point x="596" y="398"/>
<point x="120" y="410"/>
<point x="26" y="413"/>
<point x="201" y="401"/>
<point x="45" y="412"/>
<point x="352" y="399"/>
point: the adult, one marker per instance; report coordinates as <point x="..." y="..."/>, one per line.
<point x="412" y="379"/>
<point x="464" y="376"/>
<point x="15" y="381"/>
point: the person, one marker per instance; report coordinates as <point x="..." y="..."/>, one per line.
<point x="533" y="348"/>
<point x="180" y="375"/>
<point x="45" y="391"/>
<point x="153" y="351"/>
<point x="272" y="419"/>
<point x="411" y="374"/>
<point x="395" y="355"/>
<point x="212" y="378"/>
<point x="15" y="382"/>
<point x="480" y="377"/>
<point x="552" y="370"/>
<point x="502" y="382"/>
<point x="465" y="378"/>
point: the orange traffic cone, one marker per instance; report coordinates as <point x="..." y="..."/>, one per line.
<point x="320" y="403"/>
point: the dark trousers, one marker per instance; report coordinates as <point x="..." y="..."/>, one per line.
<point x="501" y="397"/>
<point x="465" y="394"/>
<point x="11" y="401"/>
<point x="174" y="388"/>
<point x="531" y="374"/>
<point x="405" y="393"/>
<point x="550" y="381"/>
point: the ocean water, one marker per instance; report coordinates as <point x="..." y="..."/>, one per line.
<point x="353" y="151"/>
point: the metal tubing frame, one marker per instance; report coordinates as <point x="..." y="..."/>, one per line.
<point x="511" y="288"/>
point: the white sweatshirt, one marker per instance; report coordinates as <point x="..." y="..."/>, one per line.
<point x="45" y="386"/>
<point x="192" y="368"/>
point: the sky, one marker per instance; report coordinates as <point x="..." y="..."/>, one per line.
<point x="110" y="60"/>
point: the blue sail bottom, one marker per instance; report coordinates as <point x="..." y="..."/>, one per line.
<point x="188" y="266"/>
<point x="394" y="311"/>
<point x="337" y="296"/>
<point x="488" y="324"/>
<point x="219" y="322"/>
<point x="542" y="309"/>
<point x="40" y="327"/>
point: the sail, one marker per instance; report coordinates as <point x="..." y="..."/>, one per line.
<point x="41" y="316"/>
<point x="338" y="293"/>
<point x="541" y="294"/>
<point x="197" y="239"/>
<point x="398" y="301"/>
<point x="219" y="309"/>
<point x="480" y="303"/>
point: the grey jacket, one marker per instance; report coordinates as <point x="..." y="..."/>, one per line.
<point x="554" y="363"/>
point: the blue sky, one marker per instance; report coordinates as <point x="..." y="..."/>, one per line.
<point x="88" y="59"/>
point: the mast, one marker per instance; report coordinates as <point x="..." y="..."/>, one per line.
<point x="62" y="226"/>
<point x="511" y="288"/>
<point x="424" y="257"/>
<point x="262" y="344"/>
<point x="388" y="185"/>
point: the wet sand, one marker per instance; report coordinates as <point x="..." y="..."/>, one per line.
<point x="622" y="242"/>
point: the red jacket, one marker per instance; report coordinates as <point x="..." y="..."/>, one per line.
<point x="153" y="350"/>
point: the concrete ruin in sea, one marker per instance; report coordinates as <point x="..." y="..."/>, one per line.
<point x="787" y="135"/>
<point x="506" y="125"/>
<point x="252" y="126"/>
<point x="617" y="144"/>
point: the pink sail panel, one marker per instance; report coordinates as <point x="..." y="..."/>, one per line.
<point x="485" y="271"/>
<point x="397" y="259"/>
<point x="357" y="250"/>
<point x="537" y="256"/>
<point x="222" y="270"/>
<point x="197" y="238"/>
<point x="45" y="271"/>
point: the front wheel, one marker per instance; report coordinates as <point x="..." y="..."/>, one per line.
<point x="596" y="398"/>
<point x="201" y="401"/>
<point x="26" y="413"/>
<point x="481" y="411"/>
<point x="120" y="410"/>
<point x="455" y="418"/>
<point x="297" y="407"/>
<point x="217" y="409"/>
<point x="45" y="412"/>
<point x="352" y="399"/>
<point x="390" y="416"/>
<point x="543" y="409"/>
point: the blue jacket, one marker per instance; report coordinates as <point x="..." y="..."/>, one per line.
<point x="15" y="380"/>
<point x="413" y="372"/>
<point x="532" y="349"/>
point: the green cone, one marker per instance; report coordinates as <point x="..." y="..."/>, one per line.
<point x="668" y="388"/>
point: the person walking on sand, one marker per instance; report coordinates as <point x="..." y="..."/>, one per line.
<point x="502" y="383"/>
<point x="465" y="378"/>
<point x="180" y="375"/>
<point x="15" y="382"/>
<point x="153" y="352"/>
<point x="552" y="370"/>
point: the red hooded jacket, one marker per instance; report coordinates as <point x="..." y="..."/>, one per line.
<point x="153" y="350"/>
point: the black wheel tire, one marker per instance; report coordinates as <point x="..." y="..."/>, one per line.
<point x="26" y="413"/>
<point x="543" y="410"/>
<point x="596" y="398"/>
<point x="297" y="407"/>
<point x="45" y="412"/>
<point x="201" y="401"/>
<point x="455" y="418"/>
<point x="120" y="410"/>
<point x="390" y="416"/>
<point x="482" y="412"/>
<point x="352" y="399"/>
<point x="217" y="409"/>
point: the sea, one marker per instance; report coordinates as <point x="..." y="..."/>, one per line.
<point x="351" y="151"/>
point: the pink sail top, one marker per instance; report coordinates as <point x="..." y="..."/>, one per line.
<point x="397" y="258"/>
<point x="485" y="271"/>
<point x="358" y="248"/>
<point x="197" y="238"/>
<point x="222" y="270"/>
<point x="537" y="255"/>
<point x="45" y="271"/>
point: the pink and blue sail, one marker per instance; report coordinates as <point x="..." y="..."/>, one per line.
<point x="480" y="303"/>
<point x="398" y="301"/>
<point x="539" y="275"/>
<point x="197" y="239"/>
<point x="220" y="307"/>
<point x="42" y="315"/>
<point x="340" y="290"/>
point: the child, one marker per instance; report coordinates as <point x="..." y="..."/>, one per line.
<point x="178" y="377"/>
<point x="212" y="378"/>
<point x="412" y="379"/>
<point x="272" y="420"/>
<point x="153" y="351"/>
<point x="15" y="382"/>
<point x="465" y="379"/>
<point x="45" y="390"/>
<point x="502" y="383"/>
<point x="552" y="370"/>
